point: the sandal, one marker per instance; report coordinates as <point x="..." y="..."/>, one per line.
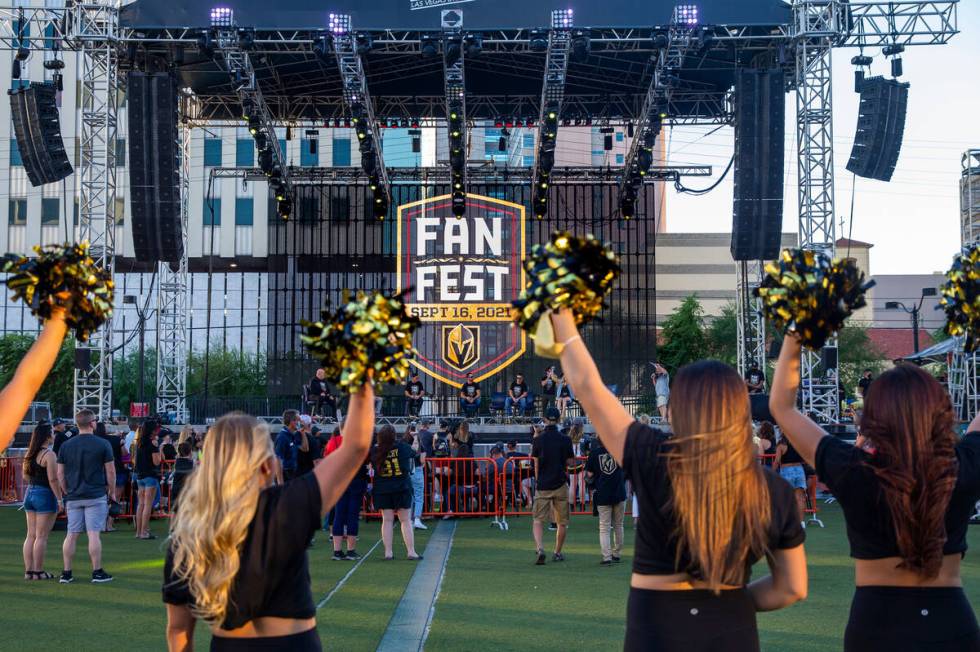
<point x="30" y="576"/>
<point x="415" y="558"/>
<point x="43" y="575"/>
<point x="388" y="558"/>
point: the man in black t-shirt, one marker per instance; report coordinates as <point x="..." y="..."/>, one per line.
<point x="319" y="393"/>
<point x="469" y="397"/>
<point x="518" y="395"/>
<point x="865" y="383"/>
<point x="609" y="499"/>
<point x="549" y="385"/>
<point x="61" y="434"/>
<point x="553" y="454"/>
<point x="414" y="393"/>
<point x="755" y="380"/>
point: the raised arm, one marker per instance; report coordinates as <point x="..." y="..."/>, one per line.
<point x="801" y="430"/>
<point x="607" y="414"/>
<point x="337" y="470"/>
<point x="16" y="397"/>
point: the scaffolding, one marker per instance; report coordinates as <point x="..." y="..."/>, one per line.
<point x="964" y="369"/>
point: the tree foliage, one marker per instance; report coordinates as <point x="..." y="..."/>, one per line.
<point x="58" y="389"/>
<point x="125" y="379"/>
<point x="855" y="353"/>
<point x="683" y="335"/>
<point x="722" y="335"/>
<point x="230" y="373"/>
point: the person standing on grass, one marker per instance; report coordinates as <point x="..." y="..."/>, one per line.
<point x="345" y="517"/>
<point x="610" y="501"/>
<point x="392" y="462"/>
<point x="289" y="442"/>
<point x="62" y="433"/>
<point x="41" y="500"/>
<point x="86" y="475"/>
<point x="148" y="459"/>
<point x="237" y="556"/>
<point x="907" y="506"/>
<point x="553" y="454"/>
<point x="708" y="510"/>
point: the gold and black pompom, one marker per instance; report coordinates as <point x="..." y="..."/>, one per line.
<point x="566" y="272"/>
<point x="961" y="297"/>
<point x="62" y="276"/>
<point x="807" y="293"/>
<point x="370" y="337"/>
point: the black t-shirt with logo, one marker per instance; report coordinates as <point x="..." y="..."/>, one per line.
<point x="548" y="384"/>
<point x="518" y="389"/>
<point x="469" y="389"/>
<point x="414" y="387"/>
<point x="610" y="482"/>
<point x="553" y="450"/>
<point x="392" y="474"/>
<point x="565" y="391"/>
<point x="754" y="377"/>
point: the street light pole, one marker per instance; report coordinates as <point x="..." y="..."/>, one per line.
<point x="914" y="311"/>
<point x="915" y="328"/>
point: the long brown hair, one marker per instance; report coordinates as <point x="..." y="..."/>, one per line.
<point x="386" y="441"/>
<point x="909" y="417"/>
<point x="720" y="497"/>
<point x="42" y="432"/>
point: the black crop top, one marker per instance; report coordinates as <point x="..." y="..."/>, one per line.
<point x="656" y="538"/>
<point x="790" y="456"/>
<point x="274" y="576"/>
<point x="870" y="530"/>
<point x="39" y="473"/>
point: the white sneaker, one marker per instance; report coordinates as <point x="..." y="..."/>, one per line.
<point x="419" y="525"/>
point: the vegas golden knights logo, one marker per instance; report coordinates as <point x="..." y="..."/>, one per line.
<point x="461" y="346"/>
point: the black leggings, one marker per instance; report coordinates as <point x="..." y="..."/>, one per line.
<point x="900" y="619"/>
<point x="691" y="621"/>
<point x="308" y="641"/>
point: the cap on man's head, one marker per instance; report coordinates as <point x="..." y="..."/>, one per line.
<point x="552" y="414"/>
<point x="58" y="422"/>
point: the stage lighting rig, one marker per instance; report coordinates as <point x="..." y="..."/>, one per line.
<point x="222" y="17"/>
<point x="473" y="44"/>
<point x="686" y="15"/>
<point x="430" y="47"/>
<point x="453" y="63"/>
<point x="581" y="46"/>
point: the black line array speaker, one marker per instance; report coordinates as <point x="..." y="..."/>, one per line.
<point x="760" y="123"/>
<point x="154" y="167"/>
<point x="880" y="127"/>
<point x="37" y="127"/>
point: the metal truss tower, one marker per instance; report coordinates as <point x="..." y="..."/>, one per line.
<point x="751" y="324"/>
<point x="964" y="371"/>
<point x="457" y="129"/>
<point x="95" y="36"/>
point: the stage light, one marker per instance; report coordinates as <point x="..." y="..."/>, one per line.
<point x="581" y="46"/>
<point x="454" y="50"/>
<point x="538" y="41"/>
<point x="661" y="42"/>
<point x="338" y="23"/>
<point x="474" y="45"/>
<point x="222" y="17"/>
<point x="205" y="43"/>
<point x="365" y="43"/>
<point x="429" y="47"/>
<point x="246" y="39"/>
<point x="323" y="46"/>
<point x="562" y="18"/>
<point x="284" y="208"/>
<point x="686" y="15"/>
<point x="261" y="140"/>
<point x="254" y="125"/>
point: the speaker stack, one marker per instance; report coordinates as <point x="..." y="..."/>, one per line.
<point x="154" y="167"/>
<point x="37" y="128"/>
<point x="881" y="125"/>
<point x="760" y="123"/>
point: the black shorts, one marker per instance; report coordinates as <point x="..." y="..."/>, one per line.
<point x="901" y="619"/>
<point x="394" y="500"/>
<point x="691" y="621"/>
<point x="308" y="641"/>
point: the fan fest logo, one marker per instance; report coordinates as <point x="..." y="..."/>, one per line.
<point x="462" y="275"/>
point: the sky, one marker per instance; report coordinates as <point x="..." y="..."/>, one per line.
<point x="913" y="220"/>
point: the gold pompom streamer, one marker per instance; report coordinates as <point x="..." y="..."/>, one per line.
<point x="370" y="336"/>
<point x="566" y="272"/>
<point x="961" y="297"/>
<point x="65" y="276"/>
<point x="807" y="293"/>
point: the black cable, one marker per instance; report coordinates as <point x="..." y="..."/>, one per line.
<point x="703" y="191"/>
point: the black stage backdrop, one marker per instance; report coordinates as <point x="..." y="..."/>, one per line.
<point x="333" y="245"/>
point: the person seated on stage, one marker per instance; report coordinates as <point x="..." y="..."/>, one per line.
<point x="469" y="397"/>
<point x="564" y="394"/>
<point x="755" y="381"/>
<point x="549" y="385"/>
<point x="414" y="394"/>
<point x="518" y="395"/>
<point x="319" y="393"/>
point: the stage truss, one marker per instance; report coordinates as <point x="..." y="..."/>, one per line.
<point x="803" y="47"/>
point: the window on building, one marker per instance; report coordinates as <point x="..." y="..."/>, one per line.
<point x="15" y="158"/>
<point x="50" y="209"/>
<point x="619" y="159"/>
<point x="212" y="152"/>
<point x="619" y="136"/>
<point x="120" y="152"/>
<point x="245" y="153"/>
<point x="244" y="211"/>
<point x="18" y="212"/>
<point x="307" y="159"/>
<point x="216" y="204"/>
<point x="528" y="141"/>
<point x="529" y="161"/>
<point x="341" y="152"/>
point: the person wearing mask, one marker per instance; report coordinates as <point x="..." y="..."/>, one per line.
<point x="148" y="458"/>
<point x="183" y="467"/>
<point x="41" y="501"/>
<point x="517" y="395"/>
<point x="321" y="395"/>
<point x="708" y="510"/>
<point x="347" y="512"/>
<point x="549" y="386"/>
<point x="414" y="440"/>
<point x="289" y="442"/>
<point x="610" y="501"/>
<point x="469" y="397"/>
<point x="755" y="381"/>
<point x="661" y="384"/>
<point x="906" y="505"/>
<point x="86" y="474"/>
<point x="30" y="374"/>
<point x="62" y="433"/>
<point x="392" y="461"/>
<point x="414" y="395"/>
<point x="248" y="577"/>
<point x="553" y="454"/>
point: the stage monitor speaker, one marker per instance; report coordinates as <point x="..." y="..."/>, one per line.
<point x="83" y="359"/>
<point x="37" y="128"/>
<point x="881" y="124"/>
<point x="828" y="358"/>
<point x="154" y="167"/>
<point x="760" y="123"/>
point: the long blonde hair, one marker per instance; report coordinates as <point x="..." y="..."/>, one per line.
<point x="720" y="495"/>
<point x="185" y="434"/>
<point x="215" y="510"/>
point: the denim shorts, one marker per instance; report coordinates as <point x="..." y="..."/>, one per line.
<point x="40" y="500"/>
<point x="148" y="483"/>
<point x="794" y="475"/>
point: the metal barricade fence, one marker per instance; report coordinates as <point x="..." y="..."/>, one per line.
<point x="11" y="480"/>
<point x="129" y="497"/>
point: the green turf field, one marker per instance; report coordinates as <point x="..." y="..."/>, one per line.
<point x="492" y="596"/>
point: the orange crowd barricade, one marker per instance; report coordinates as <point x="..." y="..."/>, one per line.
<point x="767" y="459"/>
<point x="810" y="509"/>
<point x="11" y="480"/>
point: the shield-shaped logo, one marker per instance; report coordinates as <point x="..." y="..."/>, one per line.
<point x="462" y="274"/>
